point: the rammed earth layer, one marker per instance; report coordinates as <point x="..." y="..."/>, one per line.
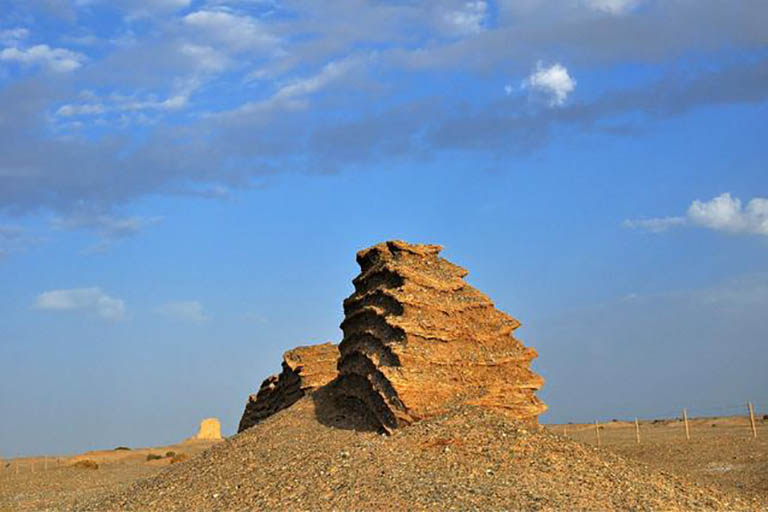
<point x="418" y="339"/>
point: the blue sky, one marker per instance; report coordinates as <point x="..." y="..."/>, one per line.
<point x="184" y="184"/>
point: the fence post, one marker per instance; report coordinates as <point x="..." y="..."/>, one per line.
<point x="752" y="419"/>
<point x="687" y="430"/>
<point x="637" y="430"/>
<point x="597" y="432"/>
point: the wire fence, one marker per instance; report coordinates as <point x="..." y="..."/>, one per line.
<point x="29" y="465"/>
<point x="745" y="419"/>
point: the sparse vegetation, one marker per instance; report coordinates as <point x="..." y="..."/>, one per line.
<point x="179" y="457"/>
<point x="86" y="464"/>
<point x="154" y="456"/>
<point x="170" y="453"/>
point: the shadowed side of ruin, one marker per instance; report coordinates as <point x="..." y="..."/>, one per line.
<point x="418" y="339"/>
<point x="304" y="369"/>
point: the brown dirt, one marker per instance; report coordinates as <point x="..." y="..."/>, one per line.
<point x="313" y="456"/>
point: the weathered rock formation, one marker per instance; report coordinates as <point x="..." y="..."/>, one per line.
<point x="210" y="430"/>
<point x="418" y="339"/>
<point x="304" y="370"/>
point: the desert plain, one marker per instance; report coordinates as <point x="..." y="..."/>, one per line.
<point x="311" y="457"/>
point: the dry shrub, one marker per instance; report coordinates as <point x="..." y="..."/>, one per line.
<point x="179" y="457"/>
<point x="170" y="454"/>
<point x="86" y="464"/>
<point x="153" y="456"/>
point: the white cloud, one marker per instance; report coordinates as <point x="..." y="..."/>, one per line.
<point x="146" y="8"/>
<point x="468" y="20"/>
<point x="190" y="311"/>
<point x="554" y="81"/>
<point x="658" y="225"/>
<point x="78" y="110"/>
<point x="82" y="299"/>
<point x="237" y="32"/>
<point x="56" y="59"/>
<point x="612" y="6"/>
<point x="723" y="213"/>
<point x="13" y="36"/>
<point x="207" y="58"/>
<point x="328" y="74"/>
<point x="291" y="95"/>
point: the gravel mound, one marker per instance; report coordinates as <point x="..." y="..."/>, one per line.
<point x="315" y="456"/>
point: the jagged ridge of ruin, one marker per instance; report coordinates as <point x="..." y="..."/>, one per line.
<point x="418" y="339"/>
<point x="304" y="370"/>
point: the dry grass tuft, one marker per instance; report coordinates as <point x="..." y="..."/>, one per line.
<point x="86" y="464"/>
<point x="179" y="457"/>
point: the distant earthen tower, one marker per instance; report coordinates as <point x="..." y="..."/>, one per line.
<point x="418" y="339"/>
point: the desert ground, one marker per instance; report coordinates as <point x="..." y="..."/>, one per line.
<point x="57" y="481"/>
<point x="721" y="451"/>
<point x="468" y="459"/>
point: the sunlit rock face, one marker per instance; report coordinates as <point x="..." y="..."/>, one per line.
<point x="418" y="339"/>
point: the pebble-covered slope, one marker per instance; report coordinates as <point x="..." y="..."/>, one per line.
<point x="309" y="457"/>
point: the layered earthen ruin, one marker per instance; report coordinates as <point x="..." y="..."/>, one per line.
<point x="418" y="339"/>
<point x="304" y="370"/>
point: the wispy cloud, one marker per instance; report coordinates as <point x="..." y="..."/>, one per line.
<point x="612" y="6"/>
<point x="91" y="300"/>
<point x="657" y="225"/>
<point x="13" y="36"/>
<point x="234" y="31"/>
<point x="109" y="227"/>
<point x="468" y="19"/>
<point x="292" y="95"/>
<point x="56" y="59"/>
<point x="188" y="311"/>
<point x="15" y="239"/>
<point x="723" y="213"/>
